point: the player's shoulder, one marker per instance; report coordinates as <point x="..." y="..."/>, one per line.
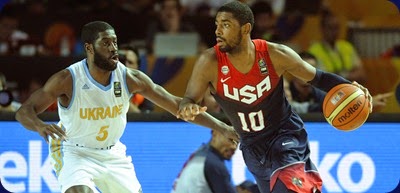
<point x="272" y="46"/>
<point x="63" y="76"/>
<point x="207" y="59"/>
<point x="277" y="50"/>
<point x="209" y="54"/>
<point x="60" y="82"/>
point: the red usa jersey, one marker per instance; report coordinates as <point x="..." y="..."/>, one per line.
<point x="254" y="102"/>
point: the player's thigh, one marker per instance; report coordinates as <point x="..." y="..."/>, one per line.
<point x="79" y="189"/>
<point x="120" y="178"/>
<point x="77" y="170"/>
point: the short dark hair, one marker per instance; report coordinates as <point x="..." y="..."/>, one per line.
<point x="90" y="31"/>
<point x="240" y="11"/>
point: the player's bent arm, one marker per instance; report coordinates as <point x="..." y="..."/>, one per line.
<point x="287" y="60"/>
<point x="203" y="76"/>
<point x="41" y="99"/>
<point x="204" y="73"/>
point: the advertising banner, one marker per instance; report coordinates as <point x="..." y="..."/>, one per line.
<point x="364" y="160"/>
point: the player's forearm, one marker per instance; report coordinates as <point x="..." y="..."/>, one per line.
<point x="28" y="118"/>
<point x="325" y="80"/>
<point x="206" y="120"/>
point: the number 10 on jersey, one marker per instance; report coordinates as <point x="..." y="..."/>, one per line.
<point x="256" y="120"/>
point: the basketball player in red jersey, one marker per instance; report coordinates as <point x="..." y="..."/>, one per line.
<point x="245" y="77"/>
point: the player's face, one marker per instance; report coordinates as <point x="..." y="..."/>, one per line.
<point x="228" y="32"/>
<point x="105" y="51"/>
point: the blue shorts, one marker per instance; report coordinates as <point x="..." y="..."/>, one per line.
<point x="271" y="160"/>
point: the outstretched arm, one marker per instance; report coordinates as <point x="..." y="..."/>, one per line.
<point x="141" y="83"/>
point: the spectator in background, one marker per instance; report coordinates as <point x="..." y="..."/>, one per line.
<point x="264" y="21"/>
<point x="60" y="39"/>
<point x="337" y="55"/>
<point x="169" y="21"/>
<point x="10" y="34"/>
<point x="190" y="6"/>
<point x="7" y="102"/>
<point x="35" y="18"/>
<point x="205" y="170"/>
<point x="129" y="56"/>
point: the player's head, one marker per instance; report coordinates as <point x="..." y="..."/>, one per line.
<point x="100" y="43"/>
<point x="224" y="146"/>
<point x="129" y="56"/>
<point x="234" y="21"/>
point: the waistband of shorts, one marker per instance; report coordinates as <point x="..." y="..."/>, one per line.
<point x="99" y="148"/>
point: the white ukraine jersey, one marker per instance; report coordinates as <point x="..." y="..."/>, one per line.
<point x="96" y="115"/>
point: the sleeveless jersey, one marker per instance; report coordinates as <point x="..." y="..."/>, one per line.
<point x="254" y="102"/>
<point x="96" y="115"/>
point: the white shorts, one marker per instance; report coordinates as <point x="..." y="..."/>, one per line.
<point x="107" y="170"/>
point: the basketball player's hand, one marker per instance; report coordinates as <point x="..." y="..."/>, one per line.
<point x="189" y="111"/>
<point x="366" y="92"/>
<point x="53" y="131"/>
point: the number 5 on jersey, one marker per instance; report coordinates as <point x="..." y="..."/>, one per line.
<point x="103" y="133"/>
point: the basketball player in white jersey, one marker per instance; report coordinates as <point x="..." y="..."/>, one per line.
<point x="93" y="99"/>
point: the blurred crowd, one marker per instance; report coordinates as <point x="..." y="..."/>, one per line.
<point x="51" y="28"/>
<point x="40" y="27"/>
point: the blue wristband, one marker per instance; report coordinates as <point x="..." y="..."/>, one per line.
<point x="326" y="81"/>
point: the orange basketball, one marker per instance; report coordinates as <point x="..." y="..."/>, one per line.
<point x="345" y="107"/>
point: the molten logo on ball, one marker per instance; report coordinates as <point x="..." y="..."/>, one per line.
<point x="350" y="112"/>
<point x="345" y="107"/>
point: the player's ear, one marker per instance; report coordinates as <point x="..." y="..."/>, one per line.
<point x="89" y="48"/>
<point x="246" y="28"/>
